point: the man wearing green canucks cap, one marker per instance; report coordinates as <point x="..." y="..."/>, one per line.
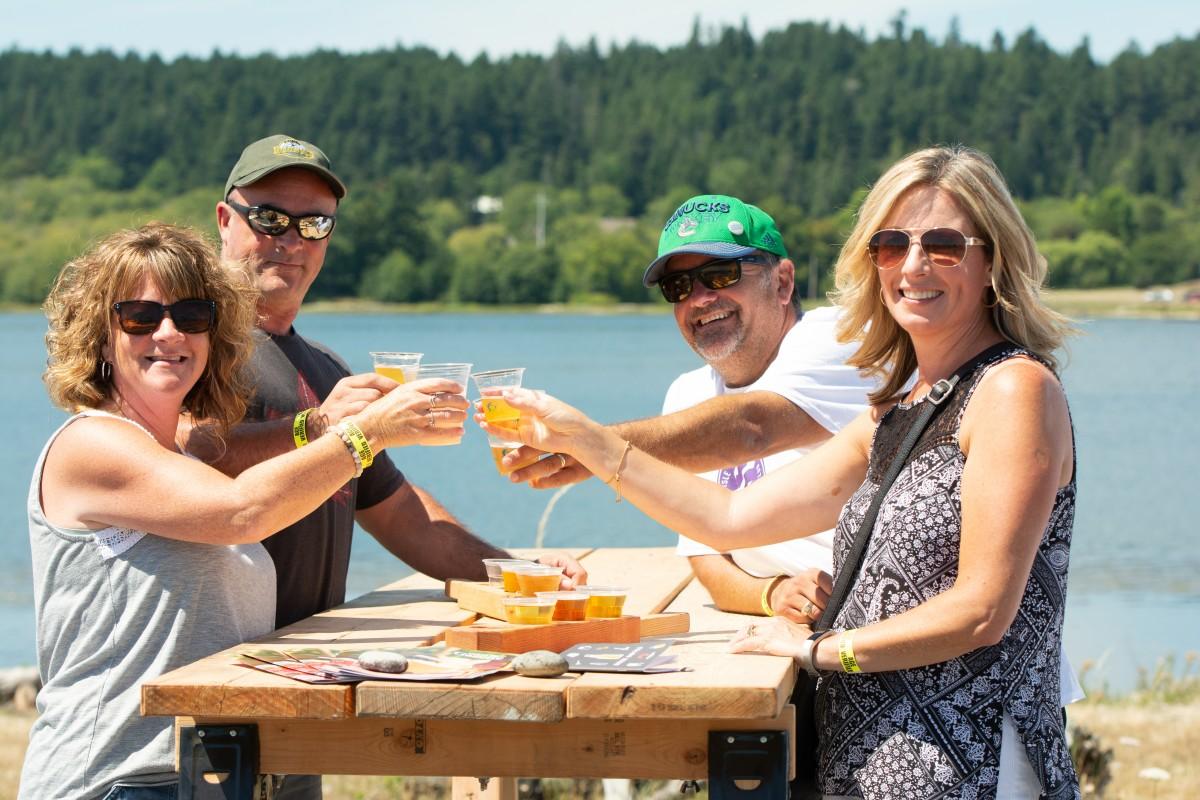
<point x="775" y="384"/>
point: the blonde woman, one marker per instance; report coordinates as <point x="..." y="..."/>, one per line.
<point x="941" y="675"/>
<point x="145" y="559"/>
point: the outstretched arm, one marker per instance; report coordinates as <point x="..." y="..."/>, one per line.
<point x="724" y="430"/>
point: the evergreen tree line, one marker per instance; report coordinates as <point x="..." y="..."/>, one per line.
<point x="591" y="151"/>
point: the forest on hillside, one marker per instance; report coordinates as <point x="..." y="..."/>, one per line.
<point x="602" y="146"/>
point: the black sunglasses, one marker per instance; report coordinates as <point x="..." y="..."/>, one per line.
<point x="140" y="317"/>
<point x="275" y="221"/>
<point x="945" y="247"/>
<point x="677" y="286"/>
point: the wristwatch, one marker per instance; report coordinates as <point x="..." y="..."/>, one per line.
<point x="808" y="646"/>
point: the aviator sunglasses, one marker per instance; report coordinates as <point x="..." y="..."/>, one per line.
<point x="945" y="247"/>
<point x="677" y="286"/>
<point x="140" y="317"/>
<point x="275" y="222"/>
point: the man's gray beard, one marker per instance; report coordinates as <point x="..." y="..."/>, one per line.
<point x="721" y="347"/>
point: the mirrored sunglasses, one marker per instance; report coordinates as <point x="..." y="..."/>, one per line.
<point x="677" y="286"/>
<point x="275" y="222"/>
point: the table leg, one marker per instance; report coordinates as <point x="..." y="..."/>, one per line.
<point x="471" y="789"/>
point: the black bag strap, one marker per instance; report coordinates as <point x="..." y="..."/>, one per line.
<point x="934" y="403"/>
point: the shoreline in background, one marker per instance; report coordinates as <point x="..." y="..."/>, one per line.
<point x="1114" y="302"/>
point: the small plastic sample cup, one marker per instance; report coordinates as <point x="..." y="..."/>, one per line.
<point x="528" y="610"/>
<point x="605" y="601"/>
<point x="534" y="578"/>
<point x="495" y="572"/>
<point x="568" y="606"/>
<point x="400" y="367"/>
<point x="508" y="575"/>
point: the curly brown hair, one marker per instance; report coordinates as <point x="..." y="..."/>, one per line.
<point x="183" y="264"/>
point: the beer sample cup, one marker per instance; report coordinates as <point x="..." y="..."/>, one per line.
<point x="498" y="412"/>
<point x="454" y="372"/>
<point x="400" y="367"/>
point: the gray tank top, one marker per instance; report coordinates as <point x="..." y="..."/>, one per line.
<point x="115" y="608"/>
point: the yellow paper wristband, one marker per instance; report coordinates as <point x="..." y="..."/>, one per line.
<point x="300" y="428"/>
<point x="765" y="600"/>
<point x="359" y="440"/>
<point x="846" y="652"/>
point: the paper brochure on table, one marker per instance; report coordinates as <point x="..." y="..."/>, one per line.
<point x="333" y="665"/>
<point x="645" y="657"/>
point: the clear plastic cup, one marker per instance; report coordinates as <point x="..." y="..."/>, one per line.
<point x="534" y="578"/>
<point x="528" y="610"/>
<point x="605" y="601"/>
<point x="454" y="372"/>
<point x="494" y="567"/>
<point x="498" y="412"/>
<point x="400" y="367"/>
<point x="568" y="606"/>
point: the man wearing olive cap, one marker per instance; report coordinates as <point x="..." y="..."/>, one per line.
<point x="775" y="384"/>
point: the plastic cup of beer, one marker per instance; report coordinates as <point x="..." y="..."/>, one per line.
<point x="495" y="566"/>
<point x="456" y="372"/>
<point x="528" y="610"/>
<point x="400" y="367"/>
<point x="534" y="578"/>
<point x="508" y="575"/>
<point x="568" y="606"/>
<point x="605" y="601"/>
<point x="498" y="412"/>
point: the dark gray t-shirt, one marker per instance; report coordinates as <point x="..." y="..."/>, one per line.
<point x="311" y="557"/>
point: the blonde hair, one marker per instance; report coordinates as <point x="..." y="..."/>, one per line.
<point x="182" y="264"/>
<point x="1018" y="269"/>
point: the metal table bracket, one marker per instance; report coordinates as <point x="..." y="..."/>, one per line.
<point x="218" y="761"/>
<point x="747" y="756"/>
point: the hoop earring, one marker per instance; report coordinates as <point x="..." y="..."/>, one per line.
<point x="881" y="300"/>
<point x="106" y="371"/>
<point x="995" y="298"/>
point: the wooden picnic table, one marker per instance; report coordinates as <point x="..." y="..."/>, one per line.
<point x="587" y="725"/>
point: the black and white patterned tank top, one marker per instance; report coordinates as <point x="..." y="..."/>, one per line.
<point x="935" y="731"/>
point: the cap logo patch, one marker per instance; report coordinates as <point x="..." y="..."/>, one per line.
<point x="736" y="228"/>
<point x="290" y="147"/>
<point x="687" y="226"/>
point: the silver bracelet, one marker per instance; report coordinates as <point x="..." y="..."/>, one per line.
<point x="806" y="651"/>
<point x="345" y="437"/>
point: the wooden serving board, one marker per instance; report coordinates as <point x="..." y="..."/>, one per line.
<point x="556" y="636"/>
<point x="482" y="598"/>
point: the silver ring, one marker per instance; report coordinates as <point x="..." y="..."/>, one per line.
<point x="430" y="414"/>
<point x="809" y="609"/>
<point x="562" y="461"/>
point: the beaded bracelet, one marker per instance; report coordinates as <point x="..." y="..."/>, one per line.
<point x="358" y="441"/>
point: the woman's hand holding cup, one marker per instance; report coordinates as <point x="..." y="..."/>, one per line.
<point x="429" y="411"/>
<point x="551" y="425"/>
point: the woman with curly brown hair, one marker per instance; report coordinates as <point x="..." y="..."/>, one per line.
<point x="145" y="559"/>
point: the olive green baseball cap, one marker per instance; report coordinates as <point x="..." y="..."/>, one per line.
<point x="277" y="152"/>
<point x="716" y="225"/>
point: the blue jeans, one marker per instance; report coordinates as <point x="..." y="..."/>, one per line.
<point x="131" y="791"/>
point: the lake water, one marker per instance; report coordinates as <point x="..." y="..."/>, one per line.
<point x="1133" y="387"/>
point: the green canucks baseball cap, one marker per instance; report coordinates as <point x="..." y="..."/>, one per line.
<point x="277" y="152"/>
<point x="716" y="225"/>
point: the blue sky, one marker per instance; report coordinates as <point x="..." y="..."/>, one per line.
<point x="502" y="27"/>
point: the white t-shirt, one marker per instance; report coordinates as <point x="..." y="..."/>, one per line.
<point x="809" y="370"/>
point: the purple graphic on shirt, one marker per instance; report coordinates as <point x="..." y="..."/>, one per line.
<point x="734" y="478"/>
